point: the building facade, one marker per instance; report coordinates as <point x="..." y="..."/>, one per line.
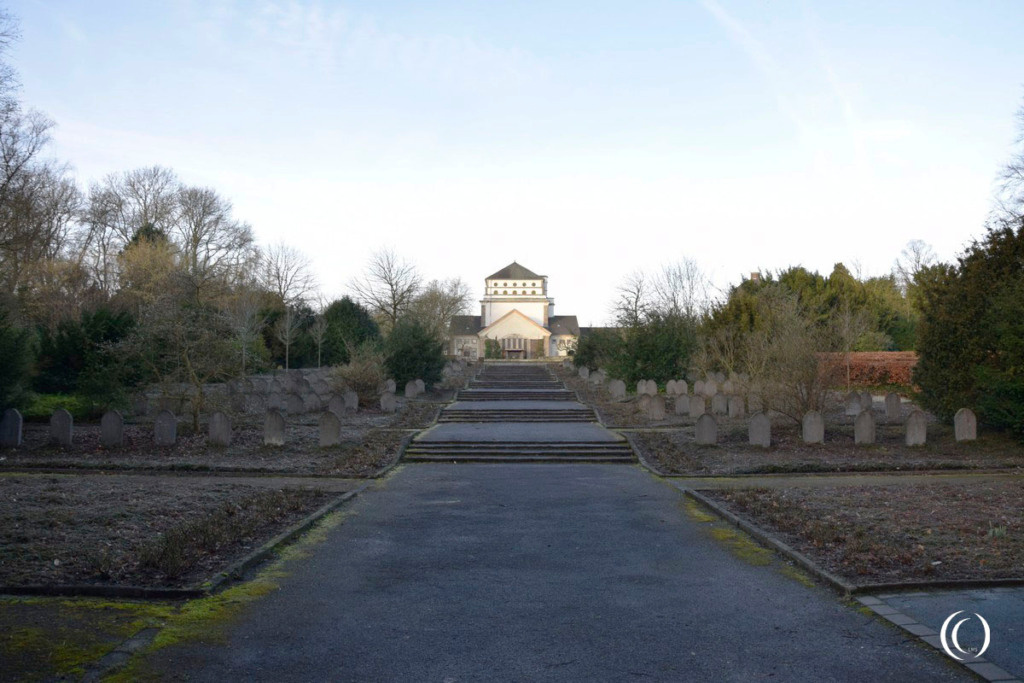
<point x="517" y="319"/>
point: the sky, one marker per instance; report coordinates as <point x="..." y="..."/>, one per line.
<point x="585" y="140"/>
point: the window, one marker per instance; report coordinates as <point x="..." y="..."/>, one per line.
<point x="513" y="291"/>
<point x="505" y="292"/>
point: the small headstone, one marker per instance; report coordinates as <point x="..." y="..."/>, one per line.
<point x="852" y="404"/>
<point x="294" y="404"/>
<point x="617" y="389"/>
<point x="273" y="428"/>
<point x="10" y="429"/>
<point x="330" y="429"/>
<point x="755" y="404"/>
<point x="421" y="388"/>
<point x="410" y="389"/>
<point x="644" y="403"/>
<point x="61" y="427"/>
<point x="140" y="404"/>
<point x="111" y="429"/>
<point x="719" y="377"/>
<point x="698" y="404"/>
<point x="311" y="403"/>
<point x="682" y="405"/>
<point x="760" y="431"/>
<point x="390" y="387"/>
<point x="917" y="428"/>
<point x="584" y="372"/>
<point x="656" y="408"/>
<point x="698" y="387"/>
<point x="965" y="425"/>
<point x="220" y="430"/>
<point x="736" y="406"/>
<point x="866" y="402"/>
<point x="728" y="387"/>
<point x="652" y="388"/>
<point x="720" y="404"/>
<point x="864" y="428"/>
<point x="596" y="378"/>
<point x="814" y="427"/>
<point x="336" y="405"/>
<point x="165" y="428"/>
<point x="706" y="431"/>
<point x="681" y="388"/>
<point x="351" y="399"/>
<point x="670" y="388"/>
<point x="710" y="388"/>
<point x="893" y="407"/>
<point x="388" y="402"/>
<point x="641" y="387"/>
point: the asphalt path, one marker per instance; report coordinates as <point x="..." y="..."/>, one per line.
<point x="543" y="573"/>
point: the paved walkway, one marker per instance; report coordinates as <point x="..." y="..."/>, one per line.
<point x="544" y="572"/>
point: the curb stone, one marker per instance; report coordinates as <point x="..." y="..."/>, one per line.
<point x="980" y="666"/>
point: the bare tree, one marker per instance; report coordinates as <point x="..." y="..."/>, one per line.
<point x="287" y="274"/>
<point x="288" y="327"/>
<point x="246" y="319"/>
<point x="438" y="302"/>
<point x="631" y="306"/>
<point x="681" y="289"/>
<point x="388" y="287"/>
<point x="848" y="326"/>
<point x="213" y="246"/>
<point x="318" y="330"/>
<point x="914" y="258"/>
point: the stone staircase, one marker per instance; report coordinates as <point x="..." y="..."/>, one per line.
<point x="518" y="413"/>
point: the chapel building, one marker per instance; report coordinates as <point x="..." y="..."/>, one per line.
<point x="518" y="315"/>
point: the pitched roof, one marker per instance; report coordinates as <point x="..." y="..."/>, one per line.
<point x="564" y="324"/>
<point x="514" y="271"/>
<point x="515" y="312"/>
<point x="465" y="325"/>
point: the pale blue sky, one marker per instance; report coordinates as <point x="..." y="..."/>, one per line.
<point x="584" y="140"/>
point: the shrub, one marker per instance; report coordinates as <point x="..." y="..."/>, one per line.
<point x="15" y="360"/>
<point x="971" y="335"/>
<point x="42" y="406"/>
<point x="364" y="374"/>
<point x="349" y="326"/>
<point x="411" y="352"/>
<point x="599" y="349"/>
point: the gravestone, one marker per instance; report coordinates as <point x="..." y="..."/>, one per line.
<point x="388" y="402"/>
<point x="866" y="402"/>
<point x="656" y="408"/>
<point x="719" y="377"/>
<point x="584" y="372"/>
<point x="390" y="387"/>
<point x="165" y="428"/>
<point x="111" y="429"/>
<point x="652" y="387"/>
<point x="351" y="399"/>
<point x="711" y="388"/>
<point x="917" y="428"/>
<point x="893" y="407"/>
<point x="421" y="388"/>
<point x="336" y="405"/>
<point x="813" y="427"/>
<point x="643" y="403"/>
<point x="311" y="403"/>
<point x="965" y="425"/>
<point x="617" y="389"/>
<point x="597" y="378"/>
<point x="670" y="388"/>
<point x="852" y="404"/>
<point x="294" y="404"/>
<point x="273" y="428"/>
<point x="61" y="427"/>
<point x="682" y="405"/>
<point x="698" y="404"/>
<point x="864" y="428"/>
<point x="755" y="404"/>
<point x="641" y="387"/>
<point x="220" y="430"/>
<point x="736" y="406"/>
<point x="10" y="429"/>
<point x="681" y="388"/>
<point x="330" y="429"/>
<point x="728" y="387"/>
<point x="706" y="431"/>
<point x="698" y="387"/>
<point x="760" y="431"/>
<point x="410" y="389"/>
<point x="567" y="365"/>
<point x="719" y="404"/>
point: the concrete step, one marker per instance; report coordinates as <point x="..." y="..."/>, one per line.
<point x="517" y="416"/>
<point x="493" y="395"/>
<point x="543" y="459"/>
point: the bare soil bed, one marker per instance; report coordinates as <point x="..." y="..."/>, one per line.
<point x="370" y="443"/>
<point x="906" y="532"/>
<point x="674" y="451"/>
<point x="142" y="531"/>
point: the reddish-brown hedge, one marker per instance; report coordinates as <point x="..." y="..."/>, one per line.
<point x="873" y="368"/>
